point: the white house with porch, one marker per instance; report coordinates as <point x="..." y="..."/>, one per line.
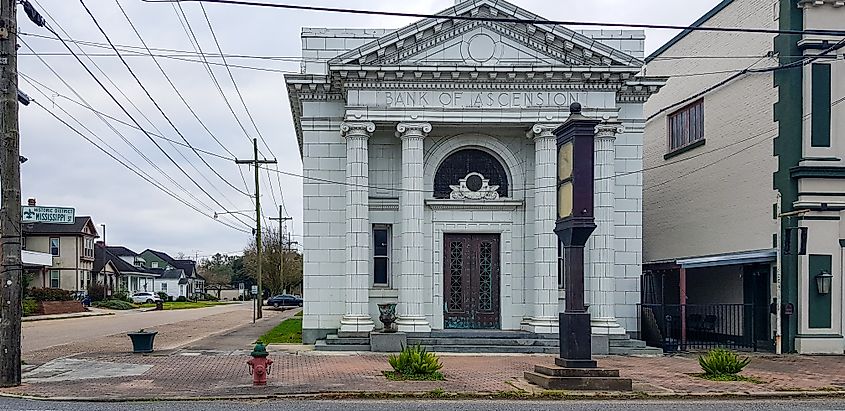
<point x="430" y="163"/>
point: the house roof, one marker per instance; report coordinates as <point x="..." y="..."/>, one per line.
<point x="188" y="266"/>
<point x="77" y="228"/>
<point x="121" y="251"/>
<point x="172" y="274"/>
<point x="698" y="23"/>
<point x="104" y="255"/>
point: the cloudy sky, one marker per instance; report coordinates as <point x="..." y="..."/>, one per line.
<point x="65" y="170"/>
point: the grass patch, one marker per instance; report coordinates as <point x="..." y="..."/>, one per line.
<point x="187" y="305"/>
<point x="288" y="332"/>
<point x="729" y="377"/>
<point x="396" y="376"/>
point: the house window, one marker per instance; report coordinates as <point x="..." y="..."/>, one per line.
<point x="381" y="255"/>
<point x="54" y="246"/>
<point x="164" y="287"/>
<point x="55" y="279"/>
<point x="821" y="91"/>
<point x="686" y="126"/>
<point x="154" y="264"/>
<point x="88" y="249"/>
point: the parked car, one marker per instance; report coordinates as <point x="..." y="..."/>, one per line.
<point x="145" y="298"/>
<point x="285" y="300"/>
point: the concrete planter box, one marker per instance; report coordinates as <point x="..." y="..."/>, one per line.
<point x="142" y="341"/>
<point x="59" y="307"/>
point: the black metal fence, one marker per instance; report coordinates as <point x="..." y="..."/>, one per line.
<point x="682" y="327"/>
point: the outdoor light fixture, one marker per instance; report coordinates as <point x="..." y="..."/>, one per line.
<point x="823" y="280"/>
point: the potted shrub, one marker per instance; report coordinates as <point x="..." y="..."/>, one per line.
<point x="142" y="341"/>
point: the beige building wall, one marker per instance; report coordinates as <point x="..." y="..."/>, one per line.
<point x="73" y="266"/>
<point x="716" y="198"/>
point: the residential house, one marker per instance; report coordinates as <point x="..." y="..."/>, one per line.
<point x="192" y="284"/>
<point x="443" y="131"/>
<point x="113" y="269"/>
<point x="730" y="142"/>
<point x="175" y="283"/>
<point x="71" y="247"/>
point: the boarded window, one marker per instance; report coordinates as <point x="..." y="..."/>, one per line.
<point x="686" y="126"/>
<point x="463" y="162"/>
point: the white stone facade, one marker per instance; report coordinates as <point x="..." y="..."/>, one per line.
<point x="385" y="109"/>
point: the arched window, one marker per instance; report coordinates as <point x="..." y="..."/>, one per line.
<point x="461" y="164"/>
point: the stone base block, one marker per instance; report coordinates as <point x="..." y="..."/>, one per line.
<point x="578" y="379"/>
<point x="600" y="344"/>
<point x="388" y="342"/>
<point x="820" y="344"/>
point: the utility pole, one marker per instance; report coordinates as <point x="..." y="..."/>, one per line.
<point x="281" y="221"/>
<point x="10" y="210"/>
<point x="255" y="163"/>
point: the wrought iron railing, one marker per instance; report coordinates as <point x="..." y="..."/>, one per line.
<point x="682" y="327"/>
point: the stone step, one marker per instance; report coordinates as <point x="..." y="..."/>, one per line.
<point x="486" y="349"/>
<point x="484" y="341"/>
<point x="628" y="343"/>
<point x="322" y="346"/>
<point x="333" y="339"/>
<point x="509" y="334"/>
<point x="635" y="351"/>
<point x="551" y="382"/>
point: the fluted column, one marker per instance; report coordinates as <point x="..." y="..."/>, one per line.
<point x="357" y="316"/>
<point x="411" y="314"/>
<point x="603" y="251"/>
<point x="545" y="316"/>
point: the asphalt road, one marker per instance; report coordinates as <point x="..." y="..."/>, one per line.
<point x="38" y="335"/>
<point x="418" y="405"/>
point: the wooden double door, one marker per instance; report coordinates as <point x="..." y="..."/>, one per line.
<point x="471" y="281"/>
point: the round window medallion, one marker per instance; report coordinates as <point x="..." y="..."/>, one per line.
<point x="481" y="47"/>
<point x="474" y="182"/>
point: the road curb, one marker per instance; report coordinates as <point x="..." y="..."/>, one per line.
<point x="446" y="396"/>
<point x="70" y="317"/>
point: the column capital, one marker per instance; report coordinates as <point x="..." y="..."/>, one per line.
<point x="361" y="129"/>
<point x="609" y="129"/>
<point x="413" y="130"/>
<point x="542" y="131"/>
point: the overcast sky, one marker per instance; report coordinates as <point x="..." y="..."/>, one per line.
<point x="65" y="170"/>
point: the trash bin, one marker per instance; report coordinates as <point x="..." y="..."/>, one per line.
<point x="159" y="305"/>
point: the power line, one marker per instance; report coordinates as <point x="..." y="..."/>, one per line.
<point x="534" y="20"/>
<point x="68" y="125"/>
<point x="126" y="112"/>
<point x="178" y="93"/>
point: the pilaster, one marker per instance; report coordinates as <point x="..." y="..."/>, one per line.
<point x="357" y="317"/>
<point x="603" y="249"/>
<point x="545" y="316"/>
<point x="411" y="315"/>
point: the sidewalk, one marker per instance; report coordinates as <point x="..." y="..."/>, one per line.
<point x="195" y="374"/>
<point x="92" y="312"/>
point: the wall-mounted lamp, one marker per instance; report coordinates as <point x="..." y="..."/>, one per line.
<point x="823" y="280"/>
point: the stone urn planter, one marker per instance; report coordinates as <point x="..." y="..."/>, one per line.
<point x="142" y="341"/>
<point x="387" y="316"/>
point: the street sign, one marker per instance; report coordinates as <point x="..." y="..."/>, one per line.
<point x="241" y="288"/>
<point x="254" y="290"/>
<point x="54" y="215"/>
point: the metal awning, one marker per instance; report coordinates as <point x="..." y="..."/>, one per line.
<point x="36" y="259"/>
<point x="747" y="257"/>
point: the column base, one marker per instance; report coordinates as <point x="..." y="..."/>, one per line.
<point x="606" y="326"/>
<point x="540" y="325"/>
<point x="413" y="324"/>
<point x="356" y="324"/>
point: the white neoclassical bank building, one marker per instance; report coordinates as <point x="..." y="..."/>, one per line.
<point x="430" y="163"/>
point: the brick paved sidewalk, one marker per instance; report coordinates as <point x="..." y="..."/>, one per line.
<point x="204" y="374"/>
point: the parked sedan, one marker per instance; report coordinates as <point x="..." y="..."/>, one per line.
<point x="285" y="300"/>
<point x="145" y="298"/>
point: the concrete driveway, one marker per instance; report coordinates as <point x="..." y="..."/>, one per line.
<point x="39" y="335"/>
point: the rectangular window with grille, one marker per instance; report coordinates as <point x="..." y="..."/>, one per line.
<point x="381" y="255"/>
<point x="686" y="126"/>
<point x="55" y="279"/>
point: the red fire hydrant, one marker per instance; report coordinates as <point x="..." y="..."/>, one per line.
<point x="259" y="365"/>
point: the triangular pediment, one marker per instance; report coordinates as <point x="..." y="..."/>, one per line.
<point x="439" y="42"/>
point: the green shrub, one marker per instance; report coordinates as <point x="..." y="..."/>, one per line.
<point x="114" y="305"/>
<point x="30" y="306"/>
<point x="414" y="362"/>
<point x="162" y="295"/>
<point x="97" y="292"/>
<point x="181" y="299"/>
<point x="121" y="296"/>
<point x="722" y="362"/>
<point x="209" y="297"/>
<point x="50" y="294"/>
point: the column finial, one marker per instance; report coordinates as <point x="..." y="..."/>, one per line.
<point x="357" y="129"/>
<point x="419" y="130"/>
<point x="541" y="130"/>
<point x="609" y="129"/>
